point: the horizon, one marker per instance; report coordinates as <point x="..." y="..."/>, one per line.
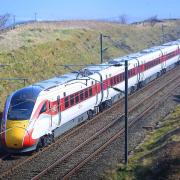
<point x="90" y="10"/>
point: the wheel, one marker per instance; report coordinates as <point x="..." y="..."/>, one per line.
<point x="49" y="139"/>
<point x="52" y="138"/>
<point x="140" y="85"/>
<point x="90" y="114"/>
<point x="108" y="104"/>
<point x="158" y="74"/>
<point x="39" y="145"/>
<point x="45" y="140"/>
<point x="132" y="90"/>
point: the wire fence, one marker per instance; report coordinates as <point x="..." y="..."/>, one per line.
<point x="8" y="21"/>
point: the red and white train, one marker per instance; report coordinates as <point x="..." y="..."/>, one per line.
<point x="34" y="115"/>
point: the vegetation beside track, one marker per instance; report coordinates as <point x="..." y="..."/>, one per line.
<point x="158" y="157"/>
<point x="35" y="50"/>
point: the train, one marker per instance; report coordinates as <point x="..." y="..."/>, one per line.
<point x="35" y="115"/>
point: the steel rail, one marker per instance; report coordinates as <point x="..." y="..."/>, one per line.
<point x="76" y="129"/>
<point x="117" y="135"/>
<point x="101" y="131"/>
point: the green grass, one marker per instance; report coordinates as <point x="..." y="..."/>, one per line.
<point x="144" y="158"/>
<point x="34" y="51"/>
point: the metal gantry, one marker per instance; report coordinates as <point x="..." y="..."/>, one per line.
<point x="126" y="113"/>
<point x="101" y="46"/>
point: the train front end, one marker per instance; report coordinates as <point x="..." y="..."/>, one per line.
<point x="16" y="125"/>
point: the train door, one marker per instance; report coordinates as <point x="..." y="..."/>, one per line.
<point x="142" y="69"/>
<point x="107" y="86"/>
<point x="44" y="119"/>
<point x="101" y="87"/>
<point x="59" y="110"/>
<point x="138" y="71"/>
<point x="99" y="90"/>
<point x="50" y="110"/>
<point x="163" y="61"/>
<point x="96" y="86"/>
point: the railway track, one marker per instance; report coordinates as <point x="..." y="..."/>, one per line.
<point x="59" y="168"/>
<point x="3" y="156"/>
<point x="104" y="123"/>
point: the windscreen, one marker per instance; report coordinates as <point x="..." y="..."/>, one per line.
<point x="22" y="104"/>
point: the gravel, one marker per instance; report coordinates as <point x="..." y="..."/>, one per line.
<point x="112" y="155"/>
<point x="63" y="146"/>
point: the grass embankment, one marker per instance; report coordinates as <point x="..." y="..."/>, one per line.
<point x="158" y="157"/>
<point x="34" y="51"/>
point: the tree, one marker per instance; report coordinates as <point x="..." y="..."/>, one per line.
<point x="153" y="20"/>
<point x="123" y="19"/>
<point x="3" y="20"/>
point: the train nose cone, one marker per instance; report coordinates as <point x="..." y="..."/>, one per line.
<point x="15" y="132"/>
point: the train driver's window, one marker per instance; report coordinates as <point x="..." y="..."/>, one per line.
<point x="43" y="109"/>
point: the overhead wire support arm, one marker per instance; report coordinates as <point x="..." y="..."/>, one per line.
<point x="88" y="77"/>
<point x="101" y="46"/>
<point x="15" y="79"/>
<point x="86" y="65"/>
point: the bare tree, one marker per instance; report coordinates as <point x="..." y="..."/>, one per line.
<point x="3" y="20"/>
<point x="123" y="19"/>
<point x="153" y="20"/>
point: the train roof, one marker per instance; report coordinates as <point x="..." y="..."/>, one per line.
<point x="59" y="80"/>
<point x="55" y="81"/>
<point x="89" y="70"/>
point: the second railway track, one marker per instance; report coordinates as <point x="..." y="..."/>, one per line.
<point x="65" y="166"/>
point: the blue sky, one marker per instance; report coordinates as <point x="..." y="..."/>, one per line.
<point x="90" y="9"/>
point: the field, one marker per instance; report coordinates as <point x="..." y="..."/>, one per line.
<point x="35" y="51"/>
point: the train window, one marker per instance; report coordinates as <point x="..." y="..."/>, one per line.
<point x="128" y="73"/>
<point x="66" y="102"/>
<point x="72" y="100"/>
<point x="43" y="109"/>
<point x="77" y="98"/>
<point x="81" y="95"/>
<point x="90" y="91"/>
<point x="122" y="75"/>
<point x="111" y="81"/>
<point x="115" y="82"/>
<point x="133" y="72"/>
<point x="86" y="93"/>
<point x="118" y="79"/>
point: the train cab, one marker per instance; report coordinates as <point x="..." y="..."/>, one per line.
<point x="16" y="117"/>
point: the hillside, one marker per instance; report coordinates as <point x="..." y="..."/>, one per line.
<point x="35" y="50"/>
